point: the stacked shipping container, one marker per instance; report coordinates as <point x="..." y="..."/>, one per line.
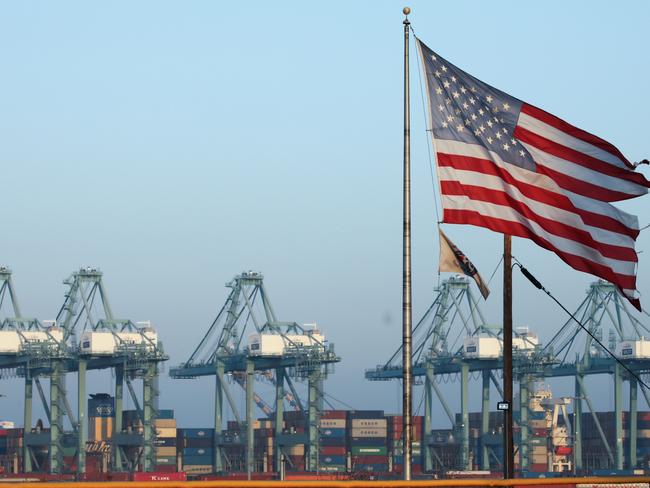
<point x="396" y="442"/>
<point x="368" y="440"/>
<point x="333" y="449"/>
<point x="165" y="450"/>
<point x="197" y="447"/>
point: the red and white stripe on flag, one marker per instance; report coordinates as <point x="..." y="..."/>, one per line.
<point x="515" y="169"/>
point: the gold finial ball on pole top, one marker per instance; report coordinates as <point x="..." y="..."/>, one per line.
<point x="406" y="10"/>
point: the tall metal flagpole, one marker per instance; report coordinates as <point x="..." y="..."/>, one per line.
<point x="508" y="451"/>
<point x="407" y="379"/>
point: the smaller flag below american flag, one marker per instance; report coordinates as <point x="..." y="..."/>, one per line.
<point x="454" y="260"/>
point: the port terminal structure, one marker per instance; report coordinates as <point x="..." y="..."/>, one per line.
<point x="85" y="336"/>
<point x="452" y="340"/>
<point x="284" y="352"/>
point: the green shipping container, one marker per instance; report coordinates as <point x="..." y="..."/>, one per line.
<point x="166" y="460"/>
<point x="369" y="451"/>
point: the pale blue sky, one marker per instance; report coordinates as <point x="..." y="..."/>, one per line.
<point x="175" y="144"/>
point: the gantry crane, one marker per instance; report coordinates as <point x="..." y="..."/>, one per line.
<point x="439" y="340"/>
<point x="578" y="355"/>
<point x="132" y="352"/>
<point x="31" y="350"/>
<point x="570" y="353"/>
<point x="223" y="351"/>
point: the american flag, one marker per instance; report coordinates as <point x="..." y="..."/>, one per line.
<point x="515" y="169"/>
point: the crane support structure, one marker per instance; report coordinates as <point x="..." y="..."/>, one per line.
<point x="54" y="350"/>
<point x="302" y="355"/>
<point x="439" y="354"/>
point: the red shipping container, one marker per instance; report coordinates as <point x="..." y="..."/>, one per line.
<point x="369" y="459"/>
<point x="334" y="414"/>
<point x="159" y="476"/>
<point x="166" y="468"/>
<point x="539" y="468"/>
<point x="333" y="450"/>
<point x="563" y="450"/>
<point x="540" y="432"/>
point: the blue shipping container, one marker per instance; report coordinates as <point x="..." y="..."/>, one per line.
<point x="333" y="441"/>
<point x="332" y="433"/>
<point x="375" y="468"/>
<point x="193" y="460"/>
<point x="368" y="441"/>
<point x="332" y="459"/>
<point x="198" y="433"/>
<point x="366" y="414"/>
<point x="101" y="405"/>
<point x="166" y="414"/>
<point x="192" y="451"/>
<point x="414" y="459"/>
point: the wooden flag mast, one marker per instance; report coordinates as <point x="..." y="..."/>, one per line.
<point x="407" y="379"/>
<point x="508" y="445"/>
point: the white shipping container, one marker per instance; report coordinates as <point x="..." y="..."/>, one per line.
<point x="368" y="432"/>
<point x="372" y="423"/>
<point x="333" y="423"/>
<point x="633" y="349"/>
<point x="9" y="341"/>
<point x="482" y="347"/>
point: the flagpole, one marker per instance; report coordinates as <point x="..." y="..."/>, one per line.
<point x="508" y="446"/>
<point x="407" y="383"/>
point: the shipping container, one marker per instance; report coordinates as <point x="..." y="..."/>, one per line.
<point x="189" y="451"/>
<point x="163" y="476"/>
<point x="369" y="423"/>
<point x="197" y="433"/>
<point x="333" y="450"/>
<point x="332" y="423"/>
<point x="166" y="432"/>
<point x="204" y="459"/>
<point x="368" y="432"/>
<point x="366" y="414"/>
<point x="334" y="414"/>
<point x="198" y="469"/>
<point x="333" y="432"/>
<point x="332" y="459"/>
<point x="369" y="459"/>
<point x="368" y="441"/>
<point x="333" y="441"/>
<point x="368" y="451"/>
<point x="165" y="423"/>
<point x="165" y="451"/>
